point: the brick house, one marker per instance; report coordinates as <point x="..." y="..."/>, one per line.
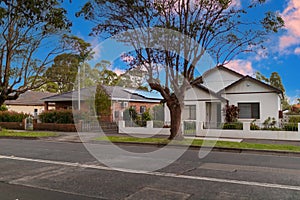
<point x="121" y="99"/>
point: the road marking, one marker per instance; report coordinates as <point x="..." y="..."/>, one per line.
<point x="161" y="174"/>
<point x="232" y="168"/>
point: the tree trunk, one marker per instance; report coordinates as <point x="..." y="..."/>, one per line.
<point x="175" y="112"/>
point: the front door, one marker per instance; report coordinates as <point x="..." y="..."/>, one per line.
<point x="208" y="115"/>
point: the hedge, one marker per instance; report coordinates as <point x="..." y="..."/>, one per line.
<point x="12" y="116"/>
<point x="294" y="119"/>
<point x="235" y="126"/>
<point x="61" y="116"/>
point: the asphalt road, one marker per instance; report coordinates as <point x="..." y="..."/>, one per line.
<point x="35" y="169"/>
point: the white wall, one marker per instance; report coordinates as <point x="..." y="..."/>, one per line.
<point x="25" y="109"/>
<point x="218" y="79"/>
<point x="250" y="92"/>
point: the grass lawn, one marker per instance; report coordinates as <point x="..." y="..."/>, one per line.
<point x="199" y="143"/>
<point x="11" y="133"/>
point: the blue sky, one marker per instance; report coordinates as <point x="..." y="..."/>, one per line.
<point x="283" y="49"/>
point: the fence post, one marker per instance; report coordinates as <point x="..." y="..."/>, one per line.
<point x="149" y="124"/>
<point x="298" y="127"/>
<point x="121" y="124"/>
<point x="80" y="124"/>
<point x="246" y="126"/>
<point x="199" y="128"/>
<point x="24" y="124"/>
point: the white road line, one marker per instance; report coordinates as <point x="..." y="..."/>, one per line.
<point x="161" y="174"/>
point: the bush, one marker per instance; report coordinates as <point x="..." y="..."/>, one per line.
<point x="61" y="116"/>
<point x="290" y="127"/>
<point x="11" y="116"/>
<point x="235" y="126"/>
<point x="3" y="107"/>
<point x="231" y="113"/>
<point x="254" y="127"/>
<point x="294" y="119"/>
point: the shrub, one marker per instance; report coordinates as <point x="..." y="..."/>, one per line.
<point x="61" y="116"/>
<point x="294" y="119"/>
<point x="231" y="113"/>
<point x="290" y="127"/>
<point x="236" y="126"/>
<point x="11" y="116"/>
<point x="254" y="127"/>
<point x="3" y="107"/>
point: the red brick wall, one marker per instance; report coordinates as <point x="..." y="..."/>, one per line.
<point x="12" y="125"/>
<point x="55" y="127"/>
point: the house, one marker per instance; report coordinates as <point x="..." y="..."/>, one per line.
<point x="256" y="100"/>
<point x="29" y="102"/>
<point x="121" y="98"/>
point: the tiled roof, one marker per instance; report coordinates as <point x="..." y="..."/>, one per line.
<point x="30" y="98"/>
<point x="115" y="92"/>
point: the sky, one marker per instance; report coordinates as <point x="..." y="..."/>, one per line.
<point x="282" y="54"/>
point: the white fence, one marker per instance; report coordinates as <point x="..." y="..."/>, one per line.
<point x="246" y="133"/>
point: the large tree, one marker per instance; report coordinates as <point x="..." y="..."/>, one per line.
<point x="28" y="30"/>
<point x="171" y="36"/>
<point x="275" y="81"/>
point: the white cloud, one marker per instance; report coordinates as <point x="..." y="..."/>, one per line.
<point x="241" y="66"/>
<point x="291" y="16"/>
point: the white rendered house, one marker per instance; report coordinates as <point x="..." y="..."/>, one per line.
<point x="205" y="103"/>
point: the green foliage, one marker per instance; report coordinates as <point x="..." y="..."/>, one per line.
<point x="61" y="116"/>
<point x="231" y="113"/>
<point x="3" y="107"/>
<point x="294" y="119"/>
<point x="102" y="102"/>
<point x="253" y="126"/>
<point x="26" y="27"/>
<point x="130" y="114"/>
<point x="222" y="31"/>
<point x="234" y="126"/>
<point x="11" y="116"/>
<point x="63" y="72"/>
<point x="269" y="123"/>
<point x="146" y="116"/>
<point x="291" y="127"/>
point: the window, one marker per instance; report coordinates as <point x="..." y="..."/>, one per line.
<point x="191" y="109"/>
<point x="124" y="104"/>
<point x="117" y="114"/>
<point x="249" y="110"/>
<point x="142" y="109"/>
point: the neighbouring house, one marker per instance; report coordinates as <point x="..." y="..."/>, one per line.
<point x="29" y="102"/>
<point x="205" y="103"/>
<point x="121" y="98"/>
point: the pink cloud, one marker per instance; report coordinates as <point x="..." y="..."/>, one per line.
<point x="119" y="71"/>
<point x="291" y="16"/>
<point x="241" y="66"/>
<point x="297" y="51"/>
<point x="236" y="3"/>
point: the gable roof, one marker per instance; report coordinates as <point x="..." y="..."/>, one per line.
<point x="222" y="67"/>
<point x="254" y="80"/>
<point x="114" y="92"/>
<point x="30" y="98"/>
<point x="201" y="87"/>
